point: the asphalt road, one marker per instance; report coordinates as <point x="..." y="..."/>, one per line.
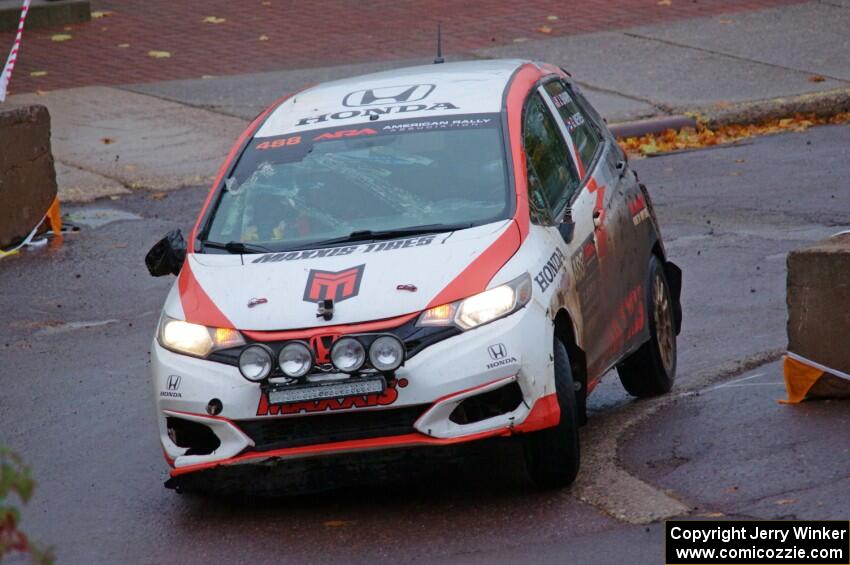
<point x="76" y="402"/>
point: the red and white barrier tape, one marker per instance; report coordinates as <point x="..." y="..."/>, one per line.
<point x="13" y="55"/>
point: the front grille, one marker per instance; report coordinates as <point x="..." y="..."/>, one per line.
<point x="278" y="433"/>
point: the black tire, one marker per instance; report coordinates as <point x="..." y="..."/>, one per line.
<point x="651" y="370"/>
<point x="553" y="455"/>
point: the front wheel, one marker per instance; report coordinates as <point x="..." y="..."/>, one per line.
<point x="650" y="370"/>
<point x="553" y="454"/>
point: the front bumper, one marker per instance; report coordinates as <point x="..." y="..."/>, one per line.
<point x="506" y="359"/>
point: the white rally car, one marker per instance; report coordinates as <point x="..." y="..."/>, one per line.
<point x="420" y="257"/>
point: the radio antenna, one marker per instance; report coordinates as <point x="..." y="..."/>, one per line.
<point x="439" y="58"/>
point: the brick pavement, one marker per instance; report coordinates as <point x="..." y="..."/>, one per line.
<point x="267" y="35"/>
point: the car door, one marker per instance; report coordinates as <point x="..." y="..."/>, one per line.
<point x="602" y="265"/>
<point x="638" y="234"/>
<point x="556" y="188"/>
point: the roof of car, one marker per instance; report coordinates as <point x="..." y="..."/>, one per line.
<point x="427" y="91"/>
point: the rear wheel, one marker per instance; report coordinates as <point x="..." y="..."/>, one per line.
<point x="553" y="454"/>
<point x="650" y="370"/>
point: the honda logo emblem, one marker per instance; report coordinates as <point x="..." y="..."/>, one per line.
<point x="322" y="344"/>
<point x="497" y="351"/>
<point x="173" y="382"/>
<point x="388" y="95"/>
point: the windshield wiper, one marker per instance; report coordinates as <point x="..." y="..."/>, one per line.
<point x="374" y="235"/>
<point x="237" y="247"/>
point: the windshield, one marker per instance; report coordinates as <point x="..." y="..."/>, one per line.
<point x="303" y="189"/>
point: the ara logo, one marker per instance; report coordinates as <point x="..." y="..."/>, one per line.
<point x="388" y="95"/>
<point x="499" y="354"/>
<point x="333" y="285"/>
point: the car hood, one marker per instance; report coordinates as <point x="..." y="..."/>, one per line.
<point x="367" y="281"/>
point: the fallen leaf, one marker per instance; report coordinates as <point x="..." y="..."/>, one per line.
<point x="40" y="93"/>
<point x="703" y="136"/>
<point x="712" y="514"/>
<point x="816" y="78"/>
<point x="336" y="523"/>
<point x="664" y="2"/>
<point x="544" y="29"/>
<point x="68" y="28"/>
<point x="551" y="18"/>
<point x="207" y="76"/>
<point x="740" y="160"/>
<point x="107" y="140"/>
<point x="266" y="3"/>
<point x="123" y="45"/>
<point x="104" y="28"/>
<point x="158" y="195"/>
<point x="263" y="37"/>
<point x="130" y="168"/>
<point x="786" y="501"/>
<point x="213" y="20"/>
<point x="649" y="148"/>
<point x="60" y="37"/>
<point x="100" y="14"/>
<point x="159" y="54"/>
<point x="38" y="73"/>
<point x="520" y="39"/>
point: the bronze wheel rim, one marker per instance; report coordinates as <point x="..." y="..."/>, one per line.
<point x="663" y="315"/>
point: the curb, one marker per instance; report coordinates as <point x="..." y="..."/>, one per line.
<point x="652" y="125"/>
<point x="826" y="103"/>
<point x="821" y="104"/>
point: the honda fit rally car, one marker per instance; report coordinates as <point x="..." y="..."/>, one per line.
<point x="421" y="257"/>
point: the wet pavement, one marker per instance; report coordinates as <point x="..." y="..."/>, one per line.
<point x="77" y="403"/>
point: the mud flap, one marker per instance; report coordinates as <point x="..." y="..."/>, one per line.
<point x="674" y="279"/>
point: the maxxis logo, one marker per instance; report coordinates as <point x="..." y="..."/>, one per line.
<point x="389" y="396"/>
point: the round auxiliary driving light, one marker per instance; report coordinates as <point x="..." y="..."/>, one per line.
<point x="386" y="353"/>
<point x="255" y="362"/>
<point x="295" y="359"/>
<point x="348" y="355"/>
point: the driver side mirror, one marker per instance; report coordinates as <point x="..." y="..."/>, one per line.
<point x="167" y="255"/>
<point x="567" y="226"/>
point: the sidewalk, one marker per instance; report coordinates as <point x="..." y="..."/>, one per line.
<point x="108" y="140"/>
<point x="222" y="37"/>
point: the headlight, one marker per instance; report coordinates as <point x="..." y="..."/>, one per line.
<point x="386" y="353"/>
<point x="348" y="355"/>
<point x="295" y="359"/>
<point x="255" y="362"/>
<point x="481" y="308"/>
<point x="194" y="339"/>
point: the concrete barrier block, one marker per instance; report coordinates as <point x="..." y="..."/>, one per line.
<point x="27" y="174"/>
<point x="819" y="302"/>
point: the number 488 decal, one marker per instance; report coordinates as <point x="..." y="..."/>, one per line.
<point x="278" y="143"/>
